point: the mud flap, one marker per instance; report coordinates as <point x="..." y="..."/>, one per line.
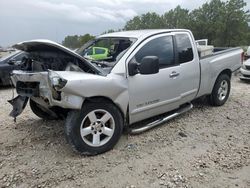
<point x="18" y="103"/>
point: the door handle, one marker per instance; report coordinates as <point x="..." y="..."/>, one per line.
<point x="174" y="74"/>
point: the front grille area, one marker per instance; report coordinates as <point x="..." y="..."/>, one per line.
<point x="247" y="67"/>
<point x="27" y="89"/>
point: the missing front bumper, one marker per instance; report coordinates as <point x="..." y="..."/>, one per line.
<point x="28" y="89"/>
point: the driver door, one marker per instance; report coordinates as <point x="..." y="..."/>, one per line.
<point x="154" y="94"/>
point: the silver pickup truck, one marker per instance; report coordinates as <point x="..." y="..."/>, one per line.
<point x="146" y="78"/>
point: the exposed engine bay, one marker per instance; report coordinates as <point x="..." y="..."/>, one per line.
<point x="43" y="55"/>
<point x="58" y="61"/>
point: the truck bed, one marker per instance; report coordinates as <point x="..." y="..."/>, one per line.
<point x="219" y="51"/>
<point x="211" y="65"/>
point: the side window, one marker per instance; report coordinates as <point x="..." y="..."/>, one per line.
<point x="99" y="51"/>
<point x="161" y="47"/>
<point x="184" y="48"/>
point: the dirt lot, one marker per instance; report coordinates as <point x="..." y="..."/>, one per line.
<point x="206" y="147"/>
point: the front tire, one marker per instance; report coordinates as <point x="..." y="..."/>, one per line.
<point x="220" y="91"/>
<point x="94" y="129"/>
<point x="42" y="112"/>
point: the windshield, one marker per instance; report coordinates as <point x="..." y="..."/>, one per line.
<point x="107" y="51"/>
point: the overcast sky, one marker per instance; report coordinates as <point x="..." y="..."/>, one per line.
<point x="54" y="19"/>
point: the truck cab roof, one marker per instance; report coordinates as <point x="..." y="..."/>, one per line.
<point x="141" y="33"/>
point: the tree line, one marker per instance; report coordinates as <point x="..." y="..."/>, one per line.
<point x="223" y="23"/>
<point x="76" y="41"/>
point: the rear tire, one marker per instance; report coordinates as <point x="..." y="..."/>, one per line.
<point x="220" y="91"/>
<point x="94" y="129"/>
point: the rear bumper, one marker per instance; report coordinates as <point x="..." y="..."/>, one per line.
<point x="244" y="74"/>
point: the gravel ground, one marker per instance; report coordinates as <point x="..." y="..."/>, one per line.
<point x="206" y="147"/>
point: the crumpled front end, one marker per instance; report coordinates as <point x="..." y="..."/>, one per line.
<point x="44" y="89"/>
<point x="68" y="89"/>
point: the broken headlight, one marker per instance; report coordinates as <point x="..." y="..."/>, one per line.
<point x="56" y="81"/>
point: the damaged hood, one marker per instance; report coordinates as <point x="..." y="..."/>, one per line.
<point x="40" y="45"/>
<point x="43" y="45"/>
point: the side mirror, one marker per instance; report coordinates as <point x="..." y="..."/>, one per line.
<point x="148" y="65"/>
<point x="133" y="68"/>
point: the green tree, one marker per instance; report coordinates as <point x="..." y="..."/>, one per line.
<point x="85" y="38"/>
<point x="71" y="41"/>
<point x="76" y="41"/>
<point x="150" y="20"/>
<point x="224" y="23"/>
<point x="235" y="19"/>
<point x="206" y="21"/>
<point x="176" y="18"/>
<point x="112" y="31"/>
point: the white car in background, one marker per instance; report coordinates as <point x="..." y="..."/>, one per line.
<point x="248" y="51"/>
<point x="245" y="69"/>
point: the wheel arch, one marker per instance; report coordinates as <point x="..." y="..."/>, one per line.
<point x="105" y="99"/>
<point x="227" y="72"/>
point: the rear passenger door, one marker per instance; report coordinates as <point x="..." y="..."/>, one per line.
<point x="189" y="66"/>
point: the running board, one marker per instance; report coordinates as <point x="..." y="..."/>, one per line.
<point x="153" y="124"/>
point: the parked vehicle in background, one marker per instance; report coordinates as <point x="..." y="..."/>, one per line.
<point x="147" y="73"/>
<point x="8" y="64"/>
<point x="245" y="70"/>
<point x="248" y="52"/>
<point x="103" y="49"/>
<point x="97" y="53"/>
